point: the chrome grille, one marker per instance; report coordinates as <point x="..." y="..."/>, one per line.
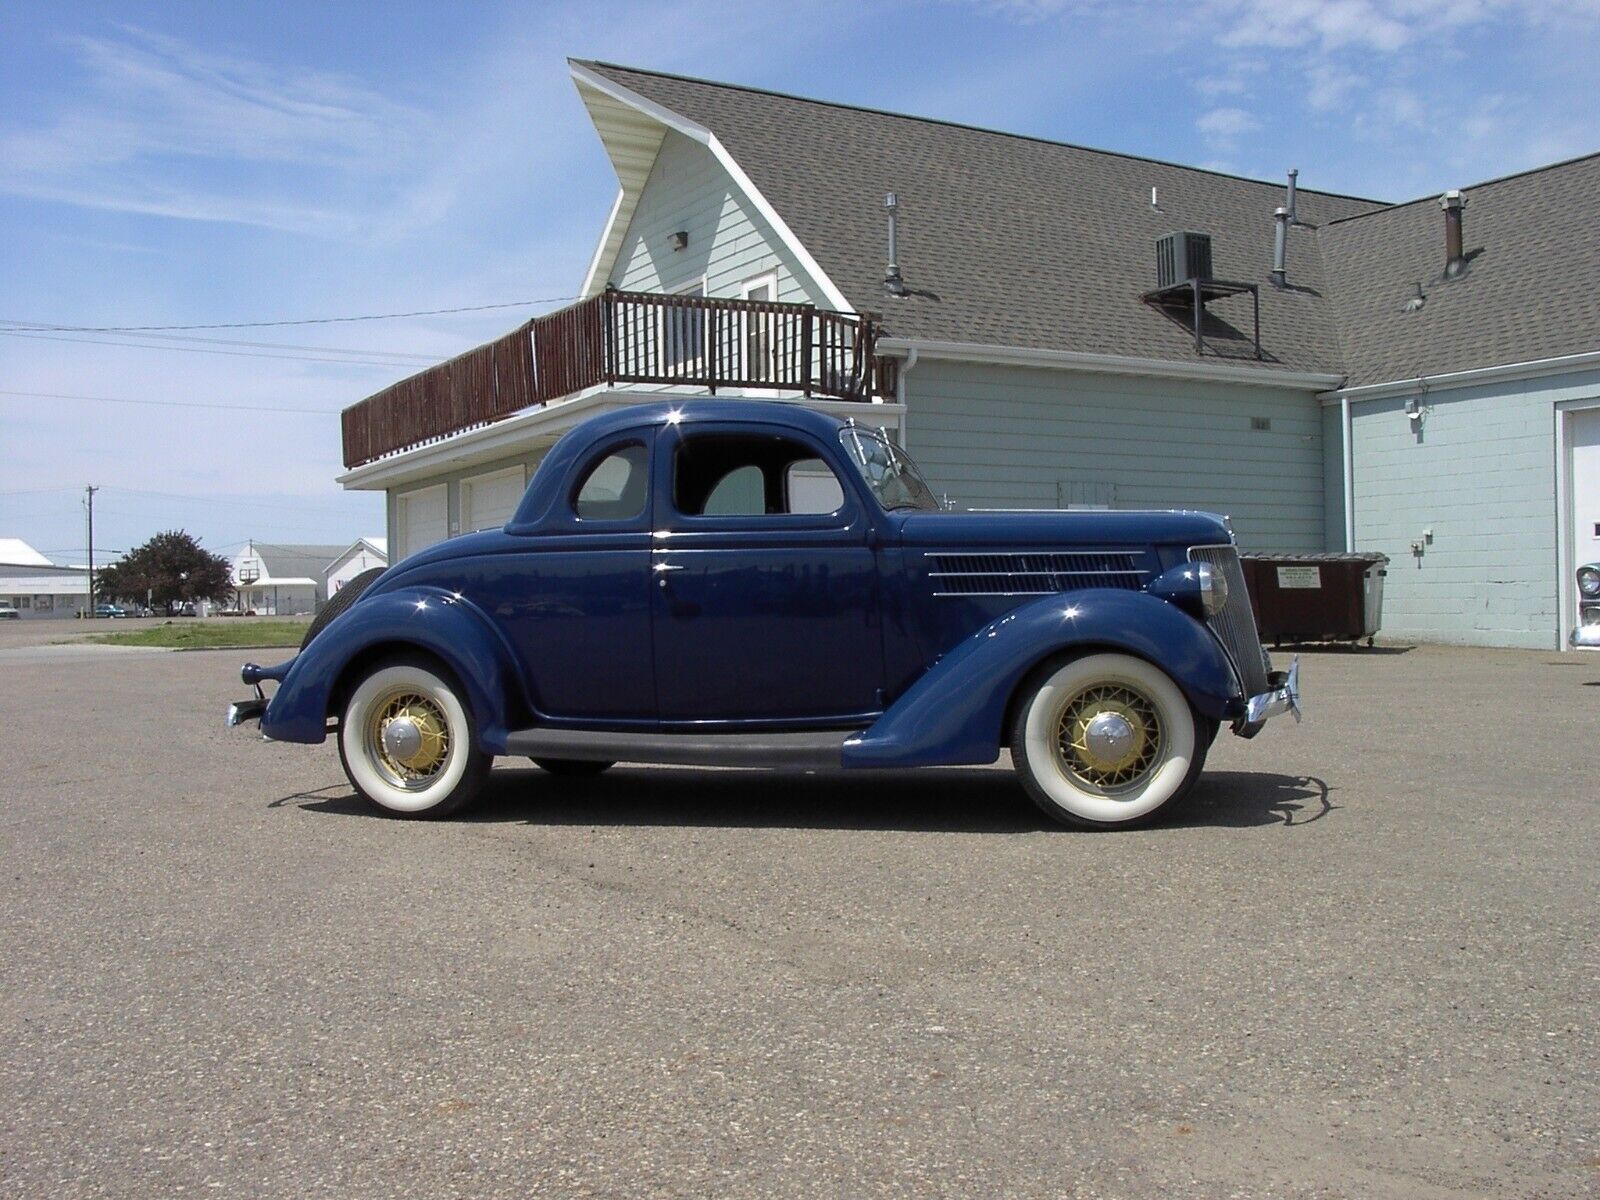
<point x="1033" y="573"/>
<point x="1235" y="625"/>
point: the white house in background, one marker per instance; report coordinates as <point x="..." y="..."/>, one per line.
<point x="281" y="580"/>
<point x="37" y="587"/>
<point x="365" y="554"/>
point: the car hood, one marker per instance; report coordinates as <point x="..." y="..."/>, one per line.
<point x="1096" y="527"/>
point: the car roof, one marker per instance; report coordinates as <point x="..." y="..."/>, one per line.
<point x="788" y="413"/>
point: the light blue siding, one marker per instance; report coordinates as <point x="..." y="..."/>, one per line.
<point x="729" y="242"/>
<point x="1333" y="476"/>
<point x="1480" y="472"/>
<point x="1021" y="437"/>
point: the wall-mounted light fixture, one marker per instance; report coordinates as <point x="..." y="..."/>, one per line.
<point x="679" y="240"/>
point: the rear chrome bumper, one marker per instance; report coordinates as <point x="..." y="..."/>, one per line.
<point x="1283" y="697"/>
<point x="1584" y="637"/>
<point x="241" y="711"/>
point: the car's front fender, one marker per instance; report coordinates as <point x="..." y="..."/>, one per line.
<point x="956" y="712"/>
<point x="416" y="618"/>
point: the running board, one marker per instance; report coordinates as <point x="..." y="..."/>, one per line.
<point x="811" y="749"/>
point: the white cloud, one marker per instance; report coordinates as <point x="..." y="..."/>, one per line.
<point x="1224" y="126"/>
<point x="157" y="117"/>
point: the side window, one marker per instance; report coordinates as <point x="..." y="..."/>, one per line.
<point x="615" y="487"/>
<point x="738" y="475"/>
<point x="812" y="487"/>
<point x="742" y="492"/>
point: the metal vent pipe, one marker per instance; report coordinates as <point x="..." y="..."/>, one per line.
<point x="1294" y="216"/>
<point x="892" y="283"/>
<point x="1280" y="248"/>
<point x="1455" y="259"/>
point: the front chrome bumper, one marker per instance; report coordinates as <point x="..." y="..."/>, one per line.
<point x="1283" y="697"/>
<point x="1584" y="637"/>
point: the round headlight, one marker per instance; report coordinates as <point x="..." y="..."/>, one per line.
<point x="1589" y="581"/>
<point x="1213" y="588"/>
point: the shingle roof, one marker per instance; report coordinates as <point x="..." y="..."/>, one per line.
<point x="16" y="552"/>
<point x="297" y="561"/>
<point x="1017" y="241"/>
<point x="1010" y="240"/>
<point x="1531" y="290"/>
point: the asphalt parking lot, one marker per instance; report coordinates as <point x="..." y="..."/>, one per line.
<point x="1360" y="962"/>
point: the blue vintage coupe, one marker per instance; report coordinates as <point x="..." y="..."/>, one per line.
<point x="757" y="584"/>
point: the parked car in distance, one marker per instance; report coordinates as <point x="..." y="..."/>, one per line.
<point x="8" y="612"/>
<point x="757" y="584"/>
<point x="1586" y="633"/>
<point x="110" y="610"/>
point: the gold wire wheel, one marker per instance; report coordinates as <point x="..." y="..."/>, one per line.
<point x="1109" y="737"/>
<point x="408" y="739"/>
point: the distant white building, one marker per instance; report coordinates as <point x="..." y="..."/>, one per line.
<point x="272" y="579"/>
<point x="37" y="587"/>
<point x="366" y="553"/>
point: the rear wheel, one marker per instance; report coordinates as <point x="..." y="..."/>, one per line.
<point x="1106" y="740"/>
<point x="408" y="742"/>
<point x="572" y="768"/>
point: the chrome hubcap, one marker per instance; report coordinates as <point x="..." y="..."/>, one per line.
<point x="1109" y="740"/>
<point x="402" y="739"/>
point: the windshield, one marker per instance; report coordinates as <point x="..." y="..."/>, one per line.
<point x="892" y="476"/>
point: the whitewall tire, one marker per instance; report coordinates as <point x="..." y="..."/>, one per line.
<point x="408" y="742"/>
<point x="1105" y="740"/>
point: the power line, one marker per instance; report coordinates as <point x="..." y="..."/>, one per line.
<point x="172" y="337"/>
<point x="86" y="341"/>
<point x="393" y="316"/>
<point x="255" y="408"/>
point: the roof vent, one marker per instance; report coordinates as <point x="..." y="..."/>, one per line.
<point x="1280" y="246"/>
<point x="1455" y="260"/>
<point x="1181" y="257"/>
<point x="892" y="283"/>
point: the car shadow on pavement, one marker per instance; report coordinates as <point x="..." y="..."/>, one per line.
<point x="947" y="800"/>
<point x="1243" y="799"/>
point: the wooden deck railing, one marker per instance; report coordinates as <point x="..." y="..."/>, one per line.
<point x="624" y="338"/>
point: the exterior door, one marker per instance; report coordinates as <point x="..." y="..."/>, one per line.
<point x="1584" y="437"/>
<point x="577" y="601"/>
<point x="421" y="518"/>
<point x="765" y="606"/>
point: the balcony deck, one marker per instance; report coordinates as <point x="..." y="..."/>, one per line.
<point x="625" y="338"/>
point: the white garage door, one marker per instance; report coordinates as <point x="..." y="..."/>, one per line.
<point x="421" y="518"/>
<point x="488" y="501"/>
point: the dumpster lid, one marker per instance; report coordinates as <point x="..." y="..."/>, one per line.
<point x="1364" y="556"/>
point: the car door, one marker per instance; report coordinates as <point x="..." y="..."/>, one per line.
<point x="576" y="603"/>
<point x="765" y="587"/>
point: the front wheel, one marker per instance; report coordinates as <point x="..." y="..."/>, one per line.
<point x="1105" y="740"/>
<point x="408" y="742"/>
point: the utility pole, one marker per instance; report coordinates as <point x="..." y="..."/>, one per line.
<point x="90" y="491"/>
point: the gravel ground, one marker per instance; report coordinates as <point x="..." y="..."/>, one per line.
<point x="1360" y="962"/>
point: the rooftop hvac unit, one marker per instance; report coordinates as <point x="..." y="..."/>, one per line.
<point x="1181" y="257"/>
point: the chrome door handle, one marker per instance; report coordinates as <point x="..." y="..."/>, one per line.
<point x="660" y="567"/>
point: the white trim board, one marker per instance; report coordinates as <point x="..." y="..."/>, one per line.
<point x="526" y="429"/>
<point x="1566" y="601"/>
<point x="584" y="77"/>
<point x="1111" y="364"/>
<point x="1532" y="368"/>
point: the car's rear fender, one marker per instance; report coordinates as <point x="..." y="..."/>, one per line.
<point x="428" y="619"/>
<point x="957" y="711"/>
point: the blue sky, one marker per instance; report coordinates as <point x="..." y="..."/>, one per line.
<point x="202" y="163"/>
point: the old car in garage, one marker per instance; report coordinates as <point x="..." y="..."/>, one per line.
<point x="758" y="584"/>
<point x="1586" y="633"/>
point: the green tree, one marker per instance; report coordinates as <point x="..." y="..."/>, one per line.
<point x="169" y="569"/>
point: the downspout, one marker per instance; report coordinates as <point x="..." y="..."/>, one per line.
<point x="900" y="391"/>
<point x="1349" y="475"/>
